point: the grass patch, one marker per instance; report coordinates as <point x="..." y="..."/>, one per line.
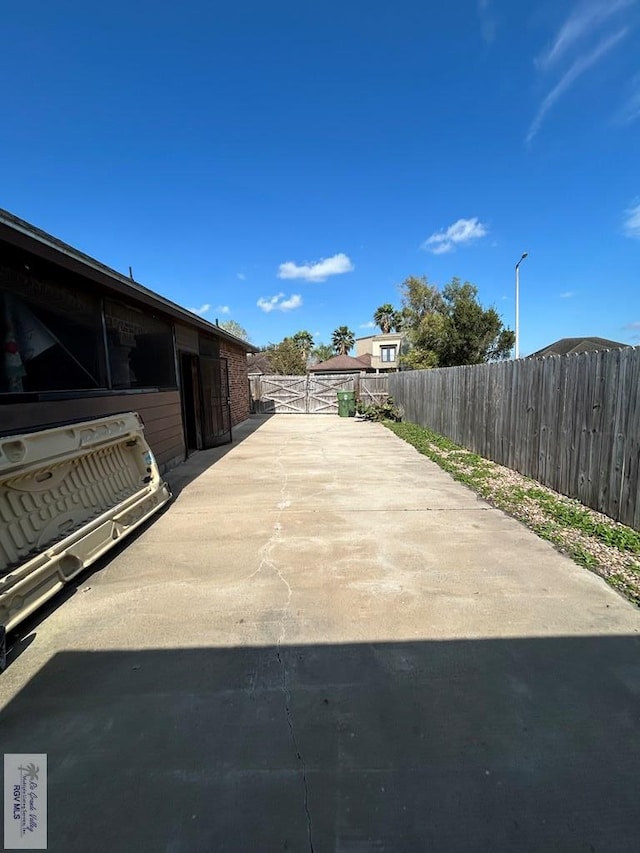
<point x="464" y="466"/>
<point x="622" y="584"/>
<point x="572" y="514"/>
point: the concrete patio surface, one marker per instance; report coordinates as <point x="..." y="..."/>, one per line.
<point x="326" y="644"/>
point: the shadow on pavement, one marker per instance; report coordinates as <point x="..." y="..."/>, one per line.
<point x="478" y="745"/>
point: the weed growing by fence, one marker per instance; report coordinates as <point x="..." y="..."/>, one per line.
<point x="386" y="410"/>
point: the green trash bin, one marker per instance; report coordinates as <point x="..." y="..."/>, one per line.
<point x="346" y="404"/>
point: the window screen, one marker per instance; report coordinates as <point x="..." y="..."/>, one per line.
<point x="140" y="348"/>
<point x="209" y="345"/>
<point x="50" y="332"/>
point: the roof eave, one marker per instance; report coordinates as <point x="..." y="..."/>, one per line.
<point x="66" y="256"/>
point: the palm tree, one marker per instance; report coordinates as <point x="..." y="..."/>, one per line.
<point x="342" y="340"/>
<point x="387" y="318"/>
<point x="304" y="341"/>
<point x="322" y="352"/>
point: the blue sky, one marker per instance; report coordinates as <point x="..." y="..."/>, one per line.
<point x="288" y="164"/>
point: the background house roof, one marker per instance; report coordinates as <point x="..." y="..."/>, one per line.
<point x="341" y="364"/>
<point x="570" y="345"/>
<point x="258" y="362"/>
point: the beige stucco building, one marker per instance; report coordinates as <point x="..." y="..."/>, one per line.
<point x="384" y="350"/>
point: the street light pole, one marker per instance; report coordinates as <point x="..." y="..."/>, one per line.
<point x="517" y="346"/>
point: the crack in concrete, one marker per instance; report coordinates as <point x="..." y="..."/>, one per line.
<point x="282" y="505"/>
<point x="299" y="756"/>
<point x="275" y="538"/>
<point x="267" y="561"/>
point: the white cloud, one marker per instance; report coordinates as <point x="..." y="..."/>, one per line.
<point x="582" y="64"/>
<point x="294" y="301"/>
<point x="203" y="309"/>
<point x="585" y="18"/>
<point x="567" y="294"/>
<point x="633" y="327"/>
<point x="632" y="221"/>
<point x="631" y="110"/>
<point x="223" y="309"/>
<point x="461" y="233"/>
<point x="241" y="276"/>
<point x="488" y="21"/>
<point x="279" y="303"/>
<point x="369" y="325"/>
<point x="318" y="270"/>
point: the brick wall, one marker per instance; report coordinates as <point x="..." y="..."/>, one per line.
<point x="238" y="381"/>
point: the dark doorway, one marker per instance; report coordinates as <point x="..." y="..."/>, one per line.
<point x="216" y="409"/>
<point x="191" y="401"/>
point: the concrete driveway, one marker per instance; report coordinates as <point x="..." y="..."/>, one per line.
<point x="326" y="644"/>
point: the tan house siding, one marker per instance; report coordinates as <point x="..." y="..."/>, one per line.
<point x="160" y="411"/>
<point x="238" y="381"/>
<point x="371" y="345"/>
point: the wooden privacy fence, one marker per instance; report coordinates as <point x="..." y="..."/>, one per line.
<point x="570" y="422"/>
<point x="317" y="395"/>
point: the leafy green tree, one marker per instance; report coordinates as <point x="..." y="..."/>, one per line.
<point x="418" y="359"/>
<point x="304" y="341"/>
<point x="450" y="327"/>
<point x="234" y="329"/>
<point x="322" y="352"/>
<point x="476" y="335"/>
<point x="342" y="340"/>
<point x="419" y="298"/>
<point x="387" y="318"/>
<point x="286" y="358"/>
<point x="423" y="322"/>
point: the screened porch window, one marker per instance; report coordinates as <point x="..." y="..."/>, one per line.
<point x="50" y="334"/>
<point x="140" y="348"/>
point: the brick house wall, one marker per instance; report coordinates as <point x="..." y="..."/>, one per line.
<point x="238" y="381"/>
